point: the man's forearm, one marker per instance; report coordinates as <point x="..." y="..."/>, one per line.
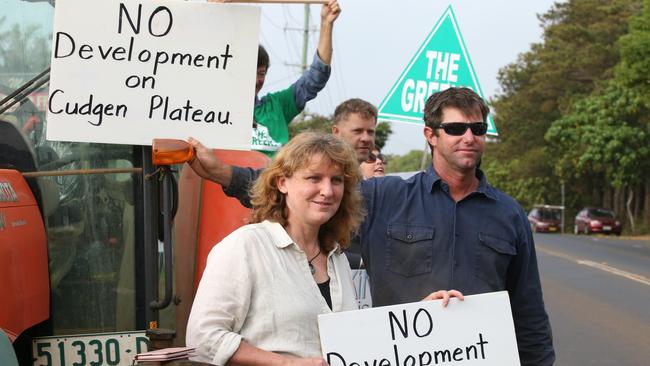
<point x="221" y="175"/>
<point x="241" y="180"/>
<point x="325" y="42"/>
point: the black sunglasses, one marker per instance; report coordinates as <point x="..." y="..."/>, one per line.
<point x="372" y="157"/>
<point x="459" y="128"/>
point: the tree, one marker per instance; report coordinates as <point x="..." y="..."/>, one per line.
<point x="546" y="112"/>
<point x="315" y="123"/>
<point x="382" y="133"/>
<point x="633" y="72"/>
<point x="24" y="52"/>
<point x="406" y="163"/>
<point x="607" y="132"/>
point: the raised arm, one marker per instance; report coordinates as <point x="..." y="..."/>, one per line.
<point x="317" y="75"/>
<point x="329" y="13"/>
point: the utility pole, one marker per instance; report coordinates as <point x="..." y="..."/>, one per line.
<point x="305" y="45"/>
<point x="562" y="187"/>
<point x="423" y="162"/>
<point x="305" y="40"/>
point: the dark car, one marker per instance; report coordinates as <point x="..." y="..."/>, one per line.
<point x="545" y="220"/>
<point x="597" y="220"/>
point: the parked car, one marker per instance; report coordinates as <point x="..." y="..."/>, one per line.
<point x="545" y="220"/>
<point x="597" y="220"/>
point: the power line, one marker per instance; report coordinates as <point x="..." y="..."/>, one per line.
<point x="268" y="18"/>
<point x="291" y="15"/>
<point x="290" y="45"/>
<point x="323" y="104"/>
<point x="267" y="46"/>
<point x="339" y="65"/>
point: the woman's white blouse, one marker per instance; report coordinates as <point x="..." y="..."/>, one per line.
<point x="257" y="286"/>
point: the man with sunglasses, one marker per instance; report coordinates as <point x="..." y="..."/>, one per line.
<point x="449" y="228"/>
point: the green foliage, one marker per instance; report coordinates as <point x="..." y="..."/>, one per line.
<point x="528" y="191"/>
<point x="579" y="49"/>
<point x="407" y="163"/>
<point x="382" y="133"/>
<point x="574" y="108"/>
<point x="634" y="69"/>
<point x="520" y="176"/>
<point x="315" y="123"/>
<point x="607" y="132"/>
<point x="24" y="51"/>
<point x="602" y="135"/>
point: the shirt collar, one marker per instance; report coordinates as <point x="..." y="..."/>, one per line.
<point x="432" y="177"/>
<point x="281" y="238"/>
<point x="483" y="186"/>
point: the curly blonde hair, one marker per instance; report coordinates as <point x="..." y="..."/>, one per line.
<point x="269" y="203"/>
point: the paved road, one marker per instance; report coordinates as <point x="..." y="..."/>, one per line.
<point x="597" y="293"/>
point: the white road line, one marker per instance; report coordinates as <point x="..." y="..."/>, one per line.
<point x="600" y="266"/>
<point x="616" y="271"/>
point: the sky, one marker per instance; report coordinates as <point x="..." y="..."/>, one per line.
<point x="374" y="40"/>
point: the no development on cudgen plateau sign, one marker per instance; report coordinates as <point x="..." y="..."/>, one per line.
<point x="129" y="71"/>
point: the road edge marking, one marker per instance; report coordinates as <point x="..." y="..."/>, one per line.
<point x="616" y="271"/>
<point x="596" y="265"/>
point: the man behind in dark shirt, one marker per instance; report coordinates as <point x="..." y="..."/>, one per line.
<point x="449" y="228"/>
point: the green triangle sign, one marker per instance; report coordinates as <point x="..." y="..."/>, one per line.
<point x="441" y="62"/>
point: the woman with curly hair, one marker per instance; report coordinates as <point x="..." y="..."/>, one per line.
<point x="266" y="283"/>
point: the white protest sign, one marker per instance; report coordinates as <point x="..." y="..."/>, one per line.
<point x="129" y="71"/>
<point x="477" y="331"/>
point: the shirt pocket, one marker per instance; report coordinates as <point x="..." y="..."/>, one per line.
<point x="493" y="257"/>
<point x="410" y="249"/>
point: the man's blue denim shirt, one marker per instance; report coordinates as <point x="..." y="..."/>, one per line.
<point x="416" y="239"/>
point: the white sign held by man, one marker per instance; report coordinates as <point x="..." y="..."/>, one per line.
<point x="477" y="331"/>
<point x="129" y="71"/>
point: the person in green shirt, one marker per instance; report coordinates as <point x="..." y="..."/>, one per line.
<point x="274" y="111"/>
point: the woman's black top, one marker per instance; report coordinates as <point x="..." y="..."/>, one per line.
<point x="325" y="291"/>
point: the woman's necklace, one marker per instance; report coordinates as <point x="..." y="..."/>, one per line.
<point x="311" y="266"/>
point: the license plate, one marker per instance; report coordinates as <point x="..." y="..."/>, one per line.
<point x="89" y="349"/>
<point x="607" y="228"/>
<point x="552" y="228"/>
